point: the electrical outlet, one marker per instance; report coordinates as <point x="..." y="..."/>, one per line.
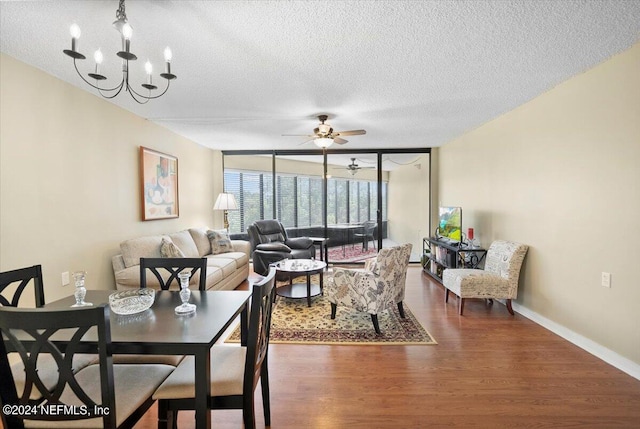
<point x="606" y="279"/>
<point x="65" y="278"/>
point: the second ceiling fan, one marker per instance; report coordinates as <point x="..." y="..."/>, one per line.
<point x="324" y="135"/>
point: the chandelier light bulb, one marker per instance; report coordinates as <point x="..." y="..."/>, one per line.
<point x="167" y="54"/>
<point x="75" y="31"/>
<point x="127" y="31"/>
<point x="149" y="69"/>
<point x="98" y="57"/>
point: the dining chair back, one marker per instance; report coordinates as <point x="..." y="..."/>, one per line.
<point x="166" y="271"/>
<point x="232" y="385"/>
<point x="13" y="283"/>
<point x="101" y="395"/>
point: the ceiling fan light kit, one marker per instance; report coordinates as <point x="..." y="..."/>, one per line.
<point x="324" y="136"/>
<point x="323" y="142"/>
<point x="125" y="30"/>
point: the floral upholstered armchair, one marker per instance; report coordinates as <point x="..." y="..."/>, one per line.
<point x="373" y="289"/>
<point x="498" y="280"/>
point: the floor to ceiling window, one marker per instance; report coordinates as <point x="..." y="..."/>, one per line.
<point x="289" y="187"/>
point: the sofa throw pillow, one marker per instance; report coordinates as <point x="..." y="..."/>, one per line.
<point x="168" y="249"/>
<point x="220" y="242"/>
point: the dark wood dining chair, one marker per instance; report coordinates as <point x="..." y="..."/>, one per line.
<point x="20" y="279"/>
<point x="166" y="271"/>
<point x="13" y="285"/>
<point x="102" y="395"/>
<point x="232" y="384"/>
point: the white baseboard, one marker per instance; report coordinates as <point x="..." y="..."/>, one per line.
<point x="599" y="351"/>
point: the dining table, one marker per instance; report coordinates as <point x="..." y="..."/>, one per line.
<point x="348" y="230"/>
<point x="160" y="331"/>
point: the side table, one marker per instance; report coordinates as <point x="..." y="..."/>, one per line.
<point x="323" y="243"/>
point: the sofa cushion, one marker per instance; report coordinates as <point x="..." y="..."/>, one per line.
<point x="227" y="265"/>
<point x="168" y="249"/>
<point x="185" y="242"/>
<point x="240" y="258"/>
<point x="220" y="242"/>
<point x="143" y="247"/>
<point x="201" y="240"/>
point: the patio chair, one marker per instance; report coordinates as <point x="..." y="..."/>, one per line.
<point x="232" y="382"/>
<point x="103" y="395"/>
<point x="366" y="235"/>
<point x="372" y="290"/>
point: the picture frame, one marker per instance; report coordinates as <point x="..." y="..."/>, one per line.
<point x="158" y="185"/>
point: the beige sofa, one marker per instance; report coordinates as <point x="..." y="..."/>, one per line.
<point x="224" y="270"/>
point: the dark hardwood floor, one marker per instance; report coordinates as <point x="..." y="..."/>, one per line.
<point x="489" y="370"/>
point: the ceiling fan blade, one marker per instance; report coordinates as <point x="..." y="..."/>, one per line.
<point x="350" y="133"/>
<point x="338" y="140"/>
<point x="307" y="141"/>
<point x="298" y="135"/>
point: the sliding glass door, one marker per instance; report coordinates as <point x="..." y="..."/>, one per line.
<point x="367" y="200"/>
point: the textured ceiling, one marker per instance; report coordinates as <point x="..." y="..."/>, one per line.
<point x="413" y="74"/>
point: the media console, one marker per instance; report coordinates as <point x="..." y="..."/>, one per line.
<point x="438" y="254"/>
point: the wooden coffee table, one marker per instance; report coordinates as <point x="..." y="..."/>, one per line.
<point x="296" y="268"/>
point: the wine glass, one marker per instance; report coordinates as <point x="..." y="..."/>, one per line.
<point x="80" y="291"/>
<point x="185" y="294"/>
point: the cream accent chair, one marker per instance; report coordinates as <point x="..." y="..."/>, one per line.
<point x="372" y="290"/>
<point x="498" y="280"/>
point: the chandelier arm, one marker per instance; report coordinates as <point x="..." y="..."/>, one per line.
<point x="109" y="97"/>
<point x="151" y="97"/>
<point x="117" y="87"/>
<point x="133" y="94"/>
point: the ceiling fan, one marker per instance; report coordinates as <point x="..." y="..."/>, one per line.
<point x="324" y="135"/>
<point x="353" y="167"/>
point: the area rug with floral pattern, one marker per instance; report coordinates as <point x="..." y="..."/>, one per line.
<point x="294" y="322"/>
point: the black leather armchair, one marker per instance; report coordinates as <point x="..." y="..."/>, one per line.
<point x="269" y="244"/>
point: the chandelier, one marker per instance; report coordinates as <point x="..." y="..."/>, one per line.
<point x="125" y="30"/>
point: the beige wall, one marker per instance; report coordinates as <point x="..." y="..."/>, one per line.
<point x="408" y="205"/>
<point x="69" y="184"/>
<point x="561" y="174"/>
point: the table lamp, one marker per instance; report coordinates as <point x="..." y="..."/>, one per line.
<point x="225" y="202"/>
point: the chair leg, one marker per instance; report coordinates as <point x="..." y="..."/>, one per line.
<point x="266" y="402"/>
<point x="401" y="309"/>
<point x="163" y="414"/>
<point x="334" y="307"/>
<point x="461" y="307"/>
<point x="446" y="296"/>
<point x="376" y="326"/>
<point x="509" y="307"/>
<point x="248" y="412"/>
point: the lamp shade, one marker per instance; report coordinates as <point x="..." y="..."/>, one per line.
<point x="225" y="202"/>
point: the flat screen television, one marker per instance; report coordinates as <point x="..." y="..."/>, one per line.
<point x="450" y="223"/>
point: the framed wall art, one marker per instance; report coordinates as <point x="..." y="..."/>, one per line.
<point x="159" y="182"/>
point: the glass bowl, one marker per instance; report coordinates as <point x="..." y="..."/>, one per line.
<point x="132" y="301"/>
